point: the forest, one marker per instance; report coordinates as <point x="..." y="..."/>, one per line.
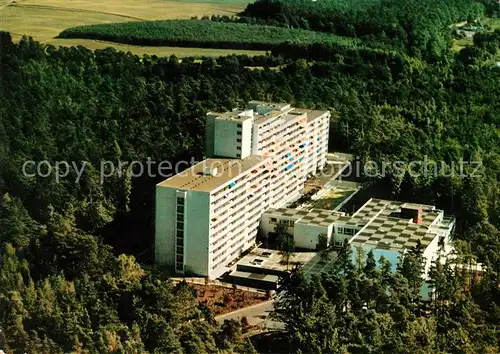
<point x="415" y="26"/>
<point x="76" y="271"/>
<point x="203" y="34"/>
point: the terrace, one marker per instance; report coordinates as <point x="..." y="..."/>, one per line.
<point x="336" y="197"/>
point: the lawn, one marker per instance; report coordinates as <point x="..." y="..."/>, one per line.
<point x="45" y="19"/>
<point x="334" y="198"/>
<point x="492" y="23"/>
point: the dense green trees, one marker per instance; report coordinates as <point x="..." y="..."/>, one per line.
<point x="372" y="309"/>
<point x="63" y="288"/>
<point x="417" y="26"/>
<point x="205" y="34"/>
<point x="68" y="292"/>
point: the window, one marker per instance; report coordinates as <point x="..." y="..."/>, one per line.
<point x="238" y="132"/>
<point x="348" y="231"/>
<point x="179" y="267"/>
<point x="180" y="225"/>
<point x="238" y="140"/>
<point x="180" y="208"/>
<point x="180" y="241"/>
<point x="179" y="258"/>
<point x="238" y="155"/>
<point x="180" y="200"/>
<point x="180" y="233"/>
<point x="272" y="220"/>
<point x="238" y="148"/>
<point x="288" y="222"/>
<point x="180" y="249"/>
<point x="238" y="125"/>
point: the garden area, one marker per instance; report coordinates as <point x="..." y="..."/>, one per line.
<point x="221" y="300"/>
<point x="334" y="197"/>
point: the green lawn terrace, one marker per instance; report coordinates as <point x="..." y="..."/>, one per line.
<point x="331" y="191"/>
<point x="336" y="197"/>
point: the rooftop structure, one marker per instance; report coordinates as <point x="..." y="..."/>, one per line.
<point x="262" y="267"/>
<point x="389" y="228"/>
<point x="321" y="217"/>
<point x="391" y="225"/>
<point x="211" y="174"/>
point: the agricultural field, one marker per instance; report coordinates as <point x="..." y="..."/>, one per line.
<point x="197" y="33"/>
<point x="45" y="19"/>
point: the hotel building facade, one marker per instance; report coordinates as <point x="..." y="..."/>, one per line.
<point x="258" y="158"/>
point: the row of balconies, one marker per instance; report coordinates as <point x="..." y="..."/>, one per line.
<point x="222" y="250"/>
<point x="283" y="134"/>
<point x="222" y="221"/>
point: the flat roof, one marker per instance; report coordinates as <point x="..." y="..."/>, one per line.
<point x="194" y="178"/>
<point x="312" y="114"/>
<point x="286" y="213"/>
<point x="262" y="118"/>
<point x="380" y="223"/>
<point x="319" y="217"/>
<point x="233" y="115"/>
<point x="255" y="276"/>
<point x="275" y="110"/>
<point x="271" y="259"/>
<point x="322" y="217"/>
<point x="386" y="229"/>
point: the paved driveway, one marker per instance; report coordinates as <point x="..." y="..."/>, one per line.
<point x="256" y="315"/>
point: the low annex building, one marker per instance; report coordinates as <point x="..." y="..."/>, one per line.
<point x="388" y="228"/>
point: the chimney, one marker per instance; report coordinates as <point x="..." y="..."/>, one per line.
<point x="412" y="211"/>
<point x="418" y="218"/>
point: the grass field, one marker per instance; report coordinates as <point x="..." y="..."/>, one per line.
<point x="493" y="23"/>
<point x="45" y="19"/>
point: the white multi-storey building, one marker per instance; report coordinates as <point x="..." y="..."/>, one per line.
<point x="258" y="158"/>
<point x="207" y="215"/>
<point x="295" y="139"/>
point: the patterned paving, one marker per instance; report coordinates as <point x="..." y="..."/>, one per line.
<point x="321" y="217"/>
<point x="287" y="213"/>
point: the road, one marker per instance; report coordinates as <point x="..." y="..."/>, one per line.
<point x="256" y="315"/>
